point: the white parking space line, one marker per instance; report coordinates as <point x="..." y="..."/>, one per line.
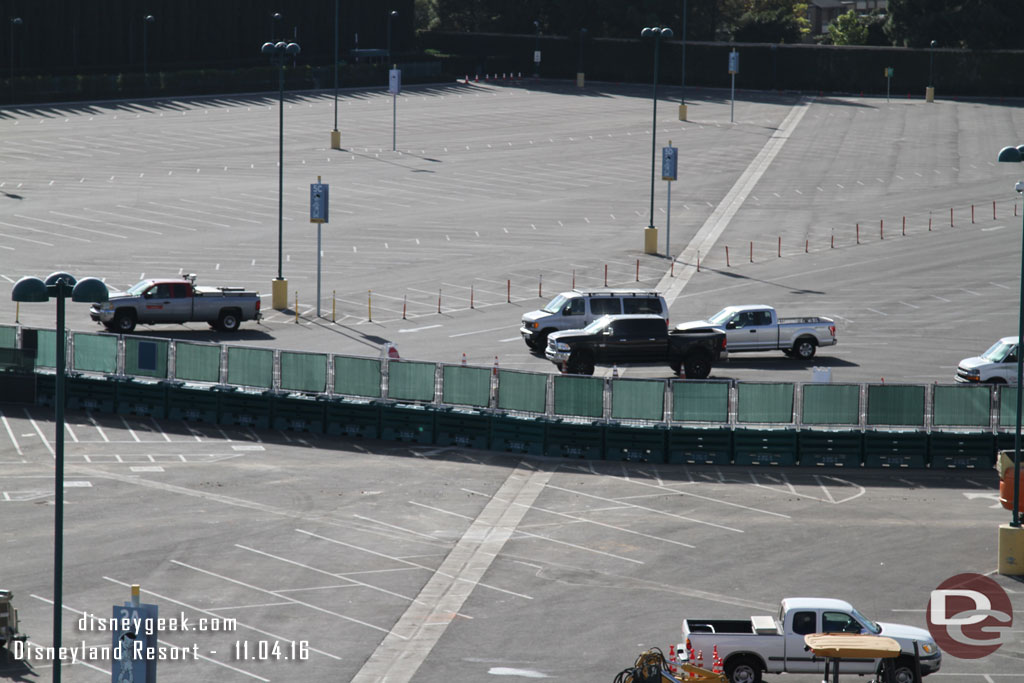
<point x="99" y="429"/>
<point x="35" y="426"/>
<point x="130" y="430"/>
<point x="10" y="433"/>
<point x="491" y="329"/>
<point x="293" y="601"/>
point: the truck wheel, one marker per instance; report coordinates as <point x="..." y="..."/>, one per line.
<point x="581" y="363"/>
<point x="804" y="348"/>
<point x="542" y="340"/>
<point x="996" y="380"/>
<point x="904" y="671"/>
<point x="676" y="365"/>
<point x="124" y="322"/>
<point x="743" y="670"/>
<point x="697" y="366"/>
<point x="228" y="321"/>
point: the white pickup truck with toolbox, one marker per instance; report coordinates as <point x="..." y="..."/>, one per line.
<point x="176" y="301"/>
<point x="751" y="647"/>
<point x="758" y="328"/>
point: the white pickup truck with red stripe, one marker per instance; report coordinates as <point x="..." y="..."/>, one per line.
<point x="759" y="328"/>
<point x="177" y="301"/>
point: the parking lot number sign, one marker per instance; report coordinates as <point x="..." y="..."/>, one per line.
<point x="395" y="81"/>
<point x="669" y="155"/>
<point x="318" y="203"/>
<point x="734" y="62"/>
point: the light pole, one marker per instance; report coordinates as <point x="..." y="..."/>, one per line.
<point x="682" y="71"/>
<point x="391" y="15"/>
<point x="1014" y="536"/>
<point x="335" y="134"/>
<point x="275" y="20"/>
<point x="536" y="49"/>
<point x="146" y="21"/>
<point x="278" y="53"/>
<point x="929" y="93"/>
<point x="579" y="71"/>
<point x="651" y="233"/>
<point x="15" y="21"/>
<point x="59" y="286"/>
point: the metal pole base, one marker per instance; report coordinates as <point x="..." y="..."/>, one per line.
<point x="580" y="79"/>
<point x="650" y="240"/>
<point x="1011" y="550"/>
<point x="335" y="139"/>
<point x="279" y="294"/>
<point x="682" y="112"/>
<point x="929" y="94"/>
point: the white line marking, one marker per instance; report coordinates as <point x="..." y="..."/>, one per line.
<point x="492" y="329"/>
<point x="878" y="312"/>
<point x="39" y="431"/>
<point x="10" y="433"/>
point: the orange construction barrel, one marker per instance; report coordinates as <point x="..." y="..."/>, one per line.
<point x="1006" y="490"/>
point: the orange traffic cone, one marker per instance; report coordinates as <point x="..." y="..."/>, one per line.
<point x="463" y="357"/>
<point x="700" y="658"/>
<point x="672" y="659"/>
<point x="495" y="371"/>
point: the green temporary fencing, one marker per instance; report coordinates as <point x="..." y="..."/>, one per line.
<point x="250" y="367"/>
<point x="895" y="404"/>
<point x="145" y="357"/>
<point x="8" y="336"/>
<point x="579" y="396"/>
<point x="895" y="449"/>
<point x="638" y="399"/>
<point x="411" y="380"/>
<point x="95" y="352"/>
<point x="1007" y="406"/>
<point x="298" y="413"/>
<point x="466" y="386"/>
<point x="830" y="404"/>
<point x="194" y="404"/>
<point x="305" y="372"/>
<point x="90" y="393"/>
<point x="197" y="362"/>
<point x="764" y="447"/>
<point x="517" y="434"/>
<point x="245" y="408"/>
<point x="46" y="347"/>
<point x="962" y="405"/>
<point x="700" y="445"/>
<point x="956" y="450"/>
<point x="831" y="448"/>
<point x="524" y="392"/>
<point x="461" y="427"/>
<point x="574" y="440"/>
<point x="696" y="401"/>
<point x="760" y="402"/>
<point x="635" y="444"/>
<point x="357" y="376"/>
<point x="136" y="397"/>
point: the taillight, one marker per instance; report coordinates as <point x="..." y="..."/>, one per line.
<point x="832" y="330"/>
<point x="257" y="305"/>
<point x="724" y="340"/>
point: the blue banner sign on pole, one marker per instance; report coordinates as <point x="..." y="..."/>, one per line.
<point x="318" y="202"/>
<point x="669" y="156"/>
<point x="134" y="636"/>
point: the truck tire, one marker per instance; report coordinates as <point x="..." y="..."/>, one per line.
<point x="228" y="320"/>
<point x="698" y="366"/>
<point x="743" y="670"/>
<point x="676" y="364"/>
<point x="804" y="348"/>
<point x="581" y="363"/>
<point x="996" y="380"/>
<point x="124" y="322"/>
<point x="540" y="341"/>
<point x="903" y="671"/>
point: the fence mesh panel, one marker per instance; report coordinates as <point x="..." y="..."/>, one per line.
<point x="145" y="357"/>
<point x="303" y="371"/>
<point x="830" y="404"/>
<point x="196" y="362"/>
<point x="466" y="386"/>
<point x="411" y="380"/>
<point x="357" y="376"/>
<point x="579" y="396"/>
<point x="962" y="405"/>
<point x="1007" y="406"/>
<point x="251" y="367"/>
<point x="757" y="402"/>
<point x="95" y="352"/>
<point x="8" y="336"/>
<point x="638" y="399"/>
<point x="695" y="401"/>
<point x="895" y="405"/>
<point x="522" y="391"/>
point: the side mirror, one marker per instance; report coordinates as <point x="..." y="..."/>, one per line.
<point x="148" y="294"/>
<point x="731" y="325"/>
<point x="607" y="331"/>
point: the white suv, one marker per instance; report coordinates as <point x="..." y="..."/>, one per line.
<point x="576" y="309"/>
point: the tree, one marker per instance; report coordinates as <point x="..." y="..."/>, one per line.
<point x="772" y="21"/>
<point x="848" y="29"/>
<point x="973" y="24"/>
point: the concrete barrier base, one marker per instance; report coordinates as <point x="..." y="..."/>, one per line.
<point x="929" y="94"/>
<point x="1011" y="550"/>
<point x="335" y="139"/>
<point x="682" y="112"/>
<point x="279" y="294"/>
<point x="650" y="240"/>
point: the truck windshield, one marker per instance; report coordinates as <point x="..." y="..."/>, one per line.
<point x="138" y="288"/>
<point x="870" y="625"/>
<point x="555" y="305"/>
<point x="595" y="327"/>
<point x="999" y="351"/>
<point x="721" y="317"/>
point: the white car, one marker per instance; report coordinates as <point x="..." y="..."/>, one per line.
<point x="998" y="365"/>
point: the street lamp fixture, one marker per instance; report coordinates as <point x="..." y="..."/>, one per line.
<point x="146" y="21"/>
<point x="929" y="93"/>
<point x="579" y="71"/>
<point x="391" y="15"/>
<point x="275" y="21"/>
<point x="59" y="286"/>
<point x="536" y="48"/>
<point x="682" y="70"/>
<point x="335" y="134"/>
<point x="279" y="52"/>
<point x="15" y="21"/>
<point x="651" y="233"/>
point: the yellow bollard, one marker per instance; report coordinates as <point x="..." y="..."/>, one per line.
<point x="296" y="307"/>
<point x="334" y="304"/>
<point x="369" y="309"/>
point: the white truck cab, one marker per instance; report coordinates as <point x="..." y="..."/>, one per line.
<point x="576" y="309"/>
<point x="998" y="365"/>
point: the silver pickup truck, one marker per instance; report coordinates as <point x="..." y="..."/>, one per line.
<point x="176" y="301"/>
<point x="758" y="328"/>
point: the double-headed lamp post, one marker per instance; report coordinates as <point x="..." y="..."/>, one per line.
<point x="391" y="15"/>
<point x="146" y="21"/>
<point x="651" y="233"/>
<point x="59" y="286"/>
<point x="1013" y="536"/>
<point x="929" y="92"/>
<point x="278" y="53"/>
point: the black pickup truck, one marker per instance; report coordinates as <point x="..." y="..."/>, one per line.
<point x="633" y="339"/>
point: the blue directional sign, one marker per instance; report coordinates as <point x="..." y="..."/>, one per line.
<point x="669" y="156"/>
<point x="318" y="202"/>
<point x="395" y="81"/>
<point x="133" y="637"/>
<point x="734" y="62"/>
